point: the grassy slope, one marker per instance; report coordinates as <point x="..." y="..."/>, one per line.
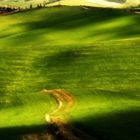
<point x="62" y="2"/>
<point x="94" y="54"/>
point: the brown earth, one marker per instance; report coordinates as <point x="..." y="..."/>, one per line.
<point x="58" y="129"/>
<point x="3" y="13"/>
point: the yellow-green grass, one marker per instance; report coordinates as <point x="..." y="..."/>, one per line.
<point x="94" y="3"/>
<point x="34" y="3"/>
<point x="92" y="53"/>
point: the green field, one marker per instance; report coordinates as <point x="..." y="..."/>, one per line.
<point x="94" y="54"/>
<point x="94" y="3"/>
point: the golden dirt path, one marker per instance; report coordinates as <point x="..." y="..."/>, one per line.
<point x="62" y="129"/>
<point x="58" y="129"/>
<point x="64" y="99"/>
<point x="8" y="13"/>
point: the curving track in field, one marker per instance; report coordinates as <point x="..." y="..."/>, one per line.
<point x="62" y="129"/>
<point x="64" y="100"/>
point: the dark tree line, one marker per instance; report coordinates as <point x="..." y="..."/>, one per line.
<point x="119" y="1"/>
<point x="8" y="9"/>
<point x="4" y="9"/>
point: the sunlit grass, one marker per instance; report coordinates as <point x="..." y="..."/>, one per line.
<point x="93" y="54"/>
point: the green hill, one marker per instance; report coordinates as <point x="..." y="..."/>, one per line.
<point x="92" y="53"/>
<point x="95" y="3"/>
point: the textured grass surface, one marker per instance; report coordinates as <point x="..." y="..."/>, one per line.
<point x="94" y="54"/>
<point x="98" y="3"/>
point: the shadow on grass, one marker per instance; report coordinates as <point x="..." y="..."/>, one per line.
<point x="121" y="94"/>
<point x="81" y="65"/>
<point x="70" y="18"/>
<point x="123" y="125"/>
<point x="15" y="133"/>
<point x="74" y="17"/>
<point x="61" y="59"/>
<point x="57" y="66"/>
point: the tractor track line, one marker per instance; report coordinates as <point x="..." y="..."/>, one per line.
<point x="64" y="100"/>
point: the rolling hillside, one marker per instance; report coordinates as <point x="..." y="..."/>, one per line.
<point x="93" y="53"/>
<point x="95" y="3"/>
